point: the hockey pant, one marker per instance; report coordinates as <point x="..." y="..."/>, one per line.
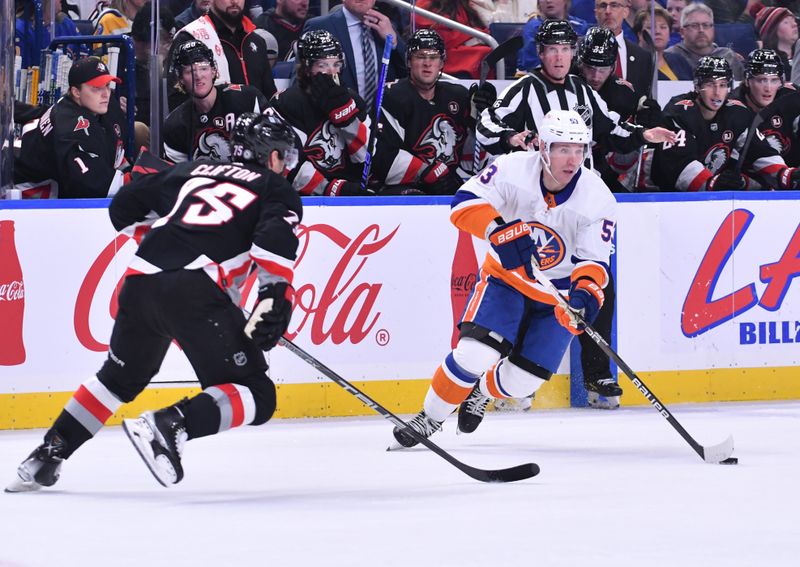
<point x="188" y="307"/>
<point x="508" y="343"/>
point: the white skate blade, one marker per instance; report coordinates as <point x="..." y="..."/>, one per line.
<point x="601" y="402"/>
<point x="20" y="485"/>
<point x="141" y="436"/>
<point x="718" y="453"/>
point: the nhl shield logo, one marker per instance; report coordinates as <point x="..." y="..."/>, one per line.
<point x="240" y="359"/>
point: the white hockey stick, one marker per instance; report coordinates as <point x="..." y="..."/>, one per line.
<point x="718" y="454"/>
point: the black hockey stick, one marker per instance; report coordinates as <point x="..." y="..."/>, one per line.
<point x="387" y="53"/>
<point x="713" y="454"/>
<point x="757" y="120"/>
<point x="511" y="45"/>
<point x="519" y="472"/>
<point x="648" y="39"/>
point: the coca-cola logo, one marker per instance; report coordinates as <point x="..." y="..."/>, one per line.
<point x="340" y="306"/>
<point x="12" y="291"/>
<point x="463" y="284"/>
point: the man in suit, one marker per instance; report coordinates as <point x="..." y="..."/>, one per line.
<point x="359" y="28"/>
<point x="634" y="64"/>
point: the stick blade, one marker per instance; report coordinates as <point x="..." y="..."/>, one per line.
<point x="512" y="474"/>
<point x="717" y="453"/>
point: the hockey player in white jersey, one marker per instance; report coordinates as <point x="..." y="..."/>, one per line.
<point x="543" y="207"/>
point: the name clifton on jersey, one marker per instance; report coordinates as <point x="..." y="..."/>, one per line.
<point x="232" y="171"/>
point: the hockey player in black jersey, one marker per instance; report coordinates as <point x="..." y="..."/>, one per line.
<point x="201" y="126"/>
<point x="330" y="120"/>
<point x="424" y="124"/>
<point x="506" y="125"/>
<point x="764" y="91"/>
<point x="79" y="141"/>
<point x="711" y="132"/>
<point x="214" y="220"/>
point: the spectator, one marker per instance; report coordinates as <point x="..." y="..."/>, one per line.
<point x="728" y="11"/>
<point x="359" y="26"/>
<point x="697" y="29"/>
<point x="671" y="67"/>
<point x="465" y="52"/>
<point x="511" y="11"/>
<point x="116" y="17"/>
<point x="634" y="7"/>
<point x="78" y="142"/>
<point x="195" y="10"/>
<point x="634" y="64"/>
<point x="240" y="53"/>
<point x="777" y="29"/>
<point x="285" y="22"/>
<point x="25" y="37"/>
<point x="140" y="32"/>
<point x="548" y="10"/>
<point x="675" y="7"/>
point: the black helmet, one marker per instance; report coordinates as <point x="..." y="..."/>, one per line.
<point x="599" y="48"/>
<point x="256" y="136"/>
<point x="318" y="44"/>
<point x="712" y="68"/>
<point x="426" y="39"/>
<point x="192" y="51"/>
<point x="554" y="32"/>
<point x="763" y="62"/>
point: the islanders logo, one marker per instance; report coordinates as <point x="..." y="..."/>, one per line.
<point x="548" y="243"/>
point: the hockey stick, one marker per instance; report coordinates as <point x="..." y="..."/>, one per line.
<point x="713" y="454"/>
<point x="373" y="131"/>
<point x="519" y="472"/>
<point x="511" y="45"/>
<point x="757" y="120"/>
<point x="648" y="39"/>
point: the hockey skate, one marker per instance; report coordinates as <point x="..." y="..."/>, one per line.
<point x="422" y="424"/>
<point x="471" y="410"/>
<point x="603" y="393"/>
<point x="159" y="438"/>
<point x="514" y="404"/>
<point x="42" y="467"/>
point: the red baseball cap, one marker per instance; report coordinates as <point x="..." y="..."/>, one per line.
<point x="91" y="71"/>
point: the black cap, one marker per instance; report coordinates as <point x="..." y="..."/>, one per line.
<point x="90" y="70"/>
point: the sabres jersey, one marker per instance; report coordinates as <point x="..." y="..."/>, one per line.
<point x="572" y="229"/>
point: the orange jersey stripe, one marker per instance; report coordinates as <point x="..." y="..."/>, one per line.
<point x="491" y="384"/>
<point x="448" y="390"/>
<point x="516" y="279"/>
<point x="474" y="219"/>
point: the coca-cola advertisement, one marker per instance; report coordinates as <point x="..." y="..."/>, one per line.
<point x="374" y="300"/>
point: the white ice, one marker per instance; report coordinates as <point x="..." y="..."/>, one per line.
<point x="617" y="488"/>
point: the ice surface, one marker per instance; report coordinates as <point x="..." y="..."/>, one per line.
<point x="617" y="488"/>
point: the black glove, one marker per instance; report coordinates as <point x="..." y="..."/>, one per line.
<point x="333" y="99"/>
<point x="437" y="179"/>
<point x="726" y="180"/>
<point x="648" y="113"/>
<point x="789" y="178"/>
<point x="342" y="188"/>
<point x="481" y="97"/>
<point x="272" y="314"/>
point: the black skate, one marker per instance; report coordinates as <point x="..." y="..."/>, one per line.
<point x="422" y="424"/>
<point x="471" y="410"/>
<point x="159" y="438"/>
<point x="603" y="393"/>
<point x="42" y="467"/>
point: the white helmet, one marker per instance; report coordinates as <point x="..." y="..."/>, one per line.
<point x="564" y="126"/>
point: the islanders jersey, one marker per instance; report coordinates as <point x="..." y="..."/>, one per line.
<point x="572" y="229"/>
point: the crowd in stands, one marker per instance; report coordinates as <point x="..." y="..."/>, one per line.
<point x="255" y="62"/>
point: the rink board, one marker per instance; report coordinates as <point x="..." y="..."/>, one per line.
<point x="374" y="282"/>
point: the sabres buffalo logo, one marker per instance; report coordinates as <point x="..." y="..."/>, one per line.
<point x="439" y="140"/>
<point x="778" y="141"/>
<point x="325" y="149"/>
<point x="213" y="144"/>
<point x="549" y="245"/>
<point x="716" y="157"/>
